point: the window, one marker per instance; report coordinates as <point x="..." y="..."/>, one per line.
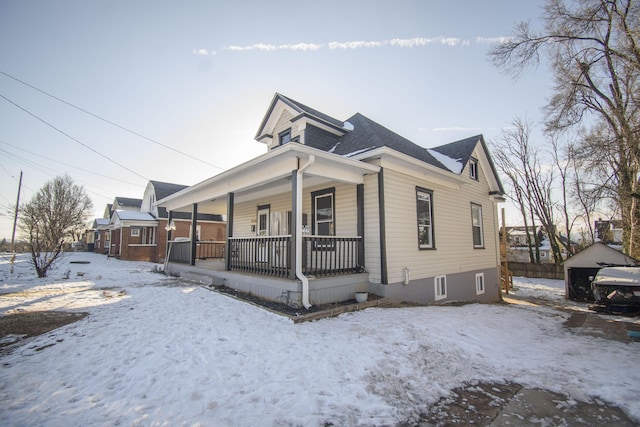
<point x="323" y="212"/>
<point x="479" y="283"/>
<point x="440" y="283"/>
<point x="284" y="137"/>
<point x="473" y="168"/>
<point x="135" y="232"/>
<point x="476" y="225"/>
<point x="323" y="217"/>
<point x="425" y="218"/>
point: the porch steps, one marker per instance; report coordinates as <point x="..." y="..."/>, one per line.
<point x="336" y="311"/>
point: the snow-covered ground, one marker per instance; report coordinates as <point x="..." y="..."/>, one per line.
<point x="154" y="351"/>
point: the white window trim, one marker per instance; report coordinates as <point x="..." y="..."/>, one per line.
<point x="473" y="169"/>
<point x="427" y="195"/>
<point x="480" y="286"/>
<point x="135" y="232"/>
<point x="436" y="282"/>
<point x="479" y="209"/>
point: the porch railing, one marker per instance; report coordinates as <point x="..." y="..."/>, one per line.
<point x="321" y="255"/>
<point x="205" y="249"/>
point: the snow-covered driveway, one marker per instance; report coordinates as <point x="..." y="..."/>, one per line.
<point x="166" y="353"/>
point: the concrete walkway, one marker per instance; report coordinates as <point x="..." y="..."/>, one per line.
<point x="510" y="404"/>
<point x="499" y="405"/>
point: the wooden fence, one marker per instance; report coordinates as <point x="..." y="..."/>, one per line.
<point x="542" y="271"/>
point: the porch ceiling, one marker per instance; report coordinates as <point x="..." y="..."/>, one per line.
<point x="266" y="175"/>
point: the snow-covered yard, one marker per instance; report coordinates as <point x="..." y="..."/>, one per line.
<point x="155" y="351"/>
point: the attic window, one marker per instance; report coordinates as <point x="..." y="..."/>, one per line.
<point x="284" y="137"/>
<point x="473" y="168"/>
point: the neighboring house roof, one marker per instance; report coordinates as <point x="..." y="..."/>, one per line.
<point x="201" y="216"/>
<point x="164" y="189"/>
<point x="107" y="211"/>
<point x="595" y="255"/>
<point x="127" y="202"/>
<point x="133" y="216"/>
<point x="99" y="223"/>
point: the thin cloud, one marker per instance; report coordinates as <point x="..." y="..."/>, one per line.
<point x="492" y="40"/>
<point x="424" y="41"/>
<point x="270" y="47"/>
<point x="352" y="45"/>
<point x="203" y="52"/>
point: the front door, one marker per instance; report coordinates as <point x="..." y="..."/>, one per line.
<point x="262" y="230"/>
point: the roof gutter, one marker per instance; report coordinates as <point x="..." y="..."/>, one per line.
<point x="299" y="275"/>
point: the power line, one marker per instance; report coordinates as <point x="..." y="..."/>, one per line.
<point x="67" y="164"/>
<point x="72" y="138"/>
<point x="109" y="121"/>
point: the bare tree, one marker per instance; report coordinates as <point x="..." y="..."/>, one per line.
<point x="533" y="180"/>
<point x="594" y="49"/>
<point x="48" y="218"/>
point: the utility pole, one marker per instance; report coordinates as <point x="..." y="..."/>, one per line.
<point x="15" y="222"/>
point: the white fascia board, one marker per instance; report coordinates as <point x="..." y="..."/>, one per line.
<point x="303" y="120"/>
<point x="273" y="165"/>
<point x="408" y="165"/>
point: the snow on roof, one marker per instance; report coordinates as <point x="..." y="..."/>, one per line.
<point x="454" y="165"/>
<point x="355" y="153"/>
<point x="134" y="216"/>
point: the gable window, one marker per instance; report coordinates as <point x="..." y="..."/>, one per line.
<point x="479" y="283"/>
<point x="440" y="283"/>
<point x="476" y="225"/>
<point x="473" y="168"/>
<point x="424" y="203"/>
<point x="284" y="137"/>
<point x="135" y="232"/>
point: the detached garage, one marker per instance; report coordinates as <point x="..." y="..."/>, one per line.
<point x="585" y="264"/>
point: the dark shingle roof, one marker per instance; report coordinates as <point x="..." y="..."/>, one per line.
<point x="129" y="202"/>
<point x="312" y="112"/>
<point x="165" y="189"/>
<point x="368" y="135"/>
<point x="460" y="150"/>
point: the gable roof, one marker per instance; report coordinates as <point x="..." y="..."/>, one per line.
<point x="301" y="110"/>
<point x="359" y="134"/>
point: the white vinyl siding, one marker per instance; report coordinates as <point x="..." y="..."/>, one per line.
<point x="345" y="221"/>
<point x="283" y="124"/>
<point x="450" y="224"/>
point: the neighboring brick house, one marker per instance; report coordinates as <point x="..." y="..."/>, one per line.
<point x="100" y="227"/>
<point x="140" y="234"/>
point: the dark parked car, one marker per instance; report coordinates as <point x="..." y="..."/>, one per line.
<point x="617" y="288"/>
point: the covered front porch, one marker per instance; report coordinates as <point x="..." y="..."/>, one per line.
<point x="295" y="227"/>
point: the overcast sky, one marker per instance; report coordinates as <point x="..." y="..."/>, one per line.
<point x="198" y="77"/>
